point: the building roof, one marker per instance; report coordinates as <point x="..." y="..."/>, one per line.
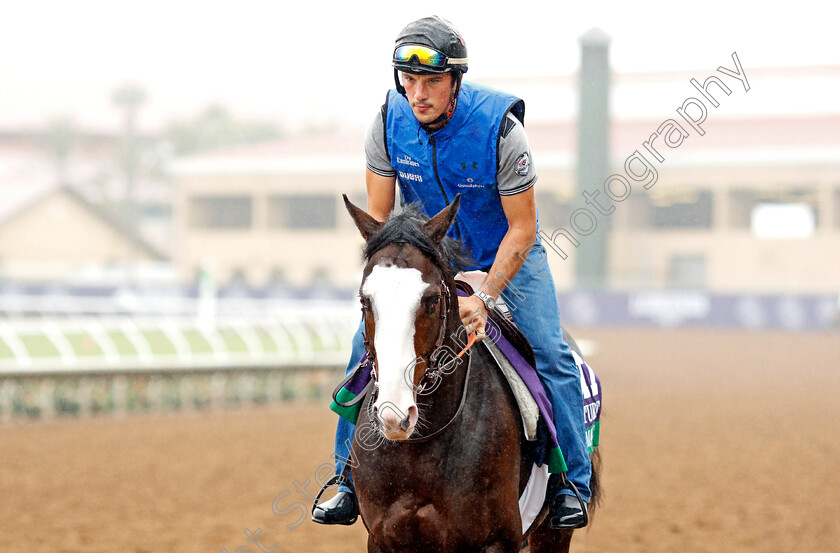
<point x="337" y="151"/>
<point x="24" y="184"/>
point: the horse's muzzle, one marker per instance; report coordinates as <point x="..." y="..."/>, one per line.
<point x="395" y="424"/>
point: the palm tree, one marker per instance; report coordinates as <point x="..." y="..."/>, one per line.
<point x="60" y="137"/>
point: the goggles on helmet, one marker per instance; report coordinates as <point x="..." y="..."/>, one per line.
<point x="426" y="56"/>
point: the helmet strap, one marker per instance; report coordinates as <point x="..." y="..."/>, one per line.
<point x="400" y="87"/>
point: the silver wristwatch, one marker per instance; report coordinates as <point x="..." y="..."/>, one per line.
<point x="489" y="301"/>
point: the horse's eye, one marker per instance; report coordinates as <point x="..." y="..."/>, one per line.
<point x="432" y="303"/>
<point x="365" y="303"/>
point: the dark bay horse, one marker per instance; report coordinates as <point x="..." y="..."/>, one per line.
<point x="452" y="459"/>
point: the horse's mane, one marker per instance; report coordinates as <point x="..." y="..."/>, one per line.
<point x="406" y="227"/>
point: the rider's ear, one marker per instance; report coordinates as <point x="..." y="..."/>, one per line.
<point x="366" y="224"/>
<point x="436" y="227"/>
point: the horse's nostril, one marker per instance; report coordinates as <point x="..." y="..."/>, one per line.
<point x="406" y="422"/>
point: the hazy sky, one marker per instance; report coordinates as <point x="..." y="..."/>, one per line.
<point x="329" y="61"/>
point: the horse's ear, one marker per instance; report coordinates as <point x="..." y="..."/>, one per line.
<point x="366" y="224"/>
<point x="436" y="227"/>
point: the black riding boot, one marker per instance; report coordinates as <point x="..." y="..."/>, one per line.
<point x="565" y="511"/>
<point x="341" y="509"/>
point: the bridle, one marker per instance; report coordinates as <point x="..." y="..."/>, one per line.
<point x="435" y="368"/>
<point x="434" y="373"/>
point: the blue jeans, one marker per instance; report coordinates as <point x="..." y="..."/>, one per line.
<point x="345" y="430"/>
<point x="532" y="300"/>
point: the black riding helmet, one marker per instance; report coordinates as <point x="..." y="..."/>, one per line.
<point x="430" y="45"/>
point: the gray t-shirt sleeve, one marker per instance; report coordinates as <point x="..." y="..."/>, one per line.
<point x="376" y="156"/>
<point x="516" y="168"/>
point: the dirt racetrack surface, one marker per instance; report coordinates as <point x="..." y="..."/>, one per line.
<point x="713" y="441"/>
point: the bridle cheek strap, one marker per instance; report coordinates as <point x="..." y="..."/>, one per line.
<point x="444" y="309"/>
<point x="432" y="372"/>
<point x="443" y="314"/>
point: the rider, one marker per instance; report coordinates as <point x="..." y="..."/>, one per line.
<point x="437" y="136"/>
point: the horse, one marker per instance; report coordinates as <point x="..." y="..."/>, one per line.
<point x="450" y="459"/>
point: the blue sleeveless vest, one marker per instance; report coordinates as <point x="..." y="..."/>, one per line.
<point x="459" y="158"/>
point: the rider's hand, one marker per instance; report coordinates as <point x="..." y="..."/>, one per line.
<point x="473" y="314"/>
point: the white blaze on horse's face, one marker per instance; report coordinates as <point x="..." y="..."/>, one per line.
<point x="395" y="295"/>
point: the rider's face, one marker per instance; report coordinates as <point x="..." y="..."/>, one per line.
<point x="429" y="95"/>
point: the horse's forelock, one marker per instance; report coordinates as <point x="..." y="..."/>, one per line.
<point x="407" y="228"/>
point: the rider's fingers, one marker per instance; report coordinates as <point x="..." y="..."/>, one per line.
<point x="478" y="327"/>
